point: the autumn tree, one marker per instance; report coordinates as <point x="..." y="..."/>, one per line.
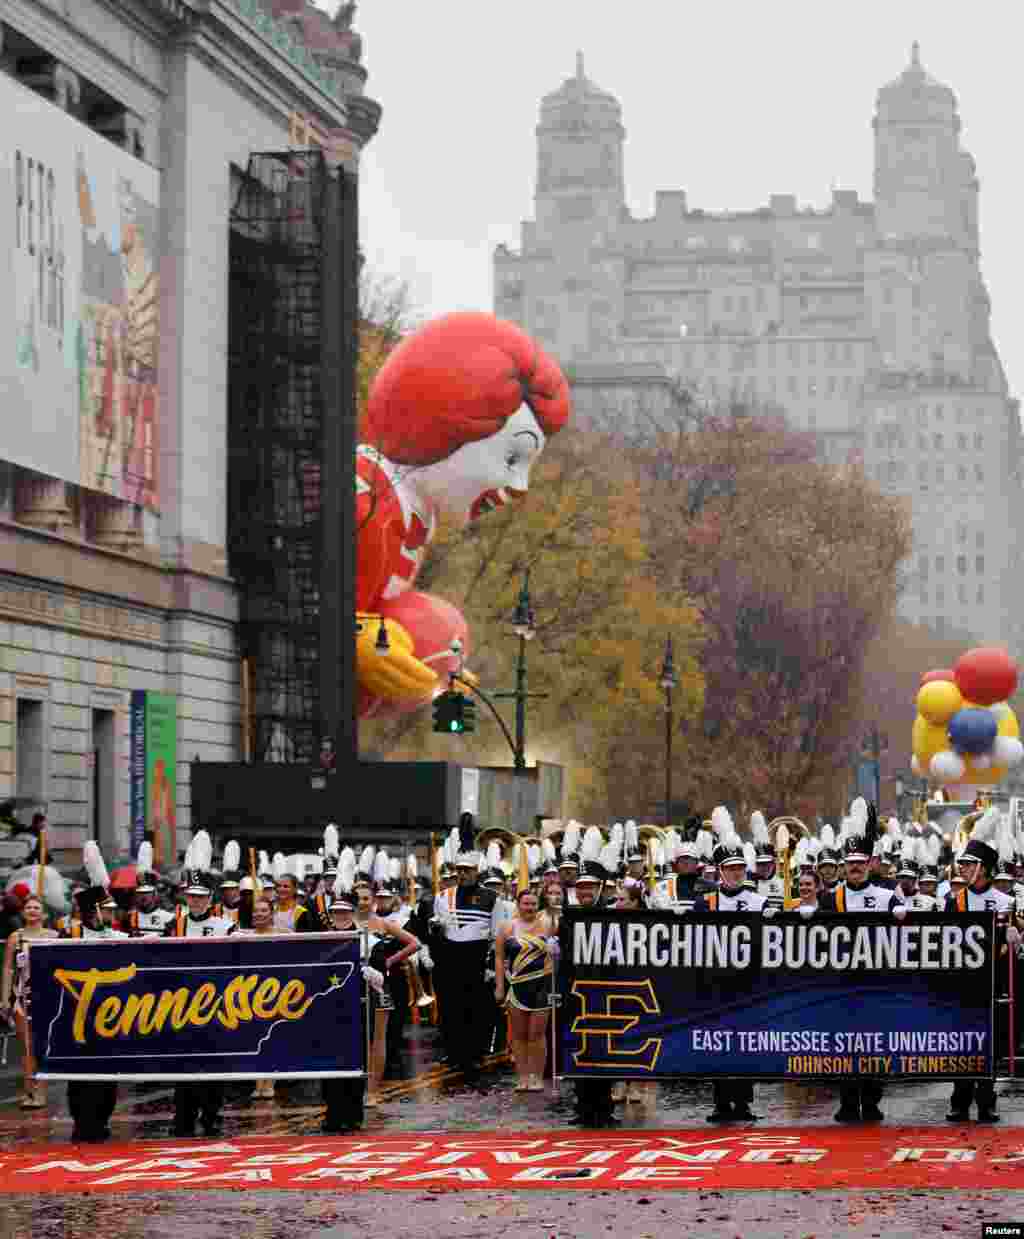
<point x="601" y="625"/>
<point x="793" y="566"/>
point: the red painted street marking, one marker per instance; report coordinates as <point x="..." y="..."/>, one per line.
<point x="814" y="1158"/>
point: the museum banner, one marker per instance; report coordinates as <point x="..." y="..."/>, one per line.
<point x="234" y="1008"/>
<point x="648" y="995"/>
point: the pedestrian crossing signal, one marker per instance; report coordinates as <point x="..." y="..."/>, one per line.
<point x="454" y="713"/>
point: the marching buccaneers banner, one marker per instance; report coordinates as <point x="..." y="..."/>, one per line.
<point x="650" y="994"/>
<point x="235" y="1008"/>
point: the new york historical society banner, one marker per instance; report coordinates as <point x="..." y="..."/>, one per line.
<point x="652" y="994"/>
<point x="235" y="1008"/>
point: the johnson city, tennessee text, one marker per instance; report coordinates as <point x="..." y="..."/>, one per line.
<point x="838" y="947"/>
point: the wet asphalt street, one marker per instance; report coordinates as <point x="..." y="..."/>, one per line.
<point x="433" y="1100"/>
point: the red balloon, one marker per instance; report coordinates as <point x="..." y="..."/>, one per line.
<point x="944" y="674"/>
<point x="986" y="675"/>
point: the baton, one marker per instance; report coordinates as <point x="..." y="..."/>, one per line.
<point x="1011" y="987"/>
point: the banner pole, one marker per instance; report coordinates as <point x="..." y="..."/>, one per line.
<point x="1011" y="986"/>
<point x="41" y="865"/>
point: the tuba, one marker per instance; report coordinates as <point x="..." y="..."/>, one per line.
<point x="795" y="829"/>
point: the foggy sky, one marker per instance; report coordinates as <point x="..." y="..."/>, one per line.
<point x="731" y="102"/>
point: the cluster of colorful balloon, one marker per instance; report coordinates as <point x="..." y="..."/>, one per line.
<point x="965" y="732"/>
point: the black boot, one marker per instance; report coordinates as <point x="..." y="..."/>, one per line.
<point x="987" y="1116"/>
<point x="847" y="1114"/>
<point x="722" y="1113"/>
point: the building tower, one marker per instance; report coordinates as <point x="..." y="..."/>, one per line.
<point x="576" y="307"/>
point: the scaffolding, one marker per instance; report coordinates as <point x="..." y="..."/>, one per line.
<point x="278" y="271"/>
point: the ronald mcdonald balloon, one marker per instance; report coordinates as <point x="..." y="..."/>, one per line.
<point x="456" y="418"/>
<point x="965" y="731"/>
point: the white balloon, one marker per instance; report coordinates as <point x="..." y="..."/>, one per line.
<point x="981" y="761"/>
<point x="947" y="766"/>
<point x="1007" y="751"/>
<point x="1000" y="710"/>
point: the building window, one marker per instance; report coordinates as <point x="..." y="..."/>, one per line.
<point x="792" y="385"/>
<point x="812" y="355"/>
<point x="980" y="596"/>
<point x="922" y="472"/>
<point x="961" y="532"/>
<point x="961" y="473"/>
<point x="793" y="353"/>
<point x="979" y="442"/>
<point x="979" y="564"/>
<point x="812" y="387"/>
<point x="940" y="564"/>
<point x="961" y="595"/>
<point x="940" y="412"/>
<point x="940" y="624"/>
<point x="940" y="473"/>
<point x="812" y="420"/>
<point x="922" y="566"/>
<point x="961" y="443"/>
<point x="979" y="473"/>
<point x="922" y="442"/>
<point x="695" y="243"/>
<point x="937" y="442"/>
<point x="737" y="244"/>
<point x="832" y="385"/>
<point x="830" y="354"/>
<point x="847" y="352"/>
<point x="940" y="595"/>
<point x="923" y="596"/>
<point x="979" y="539"/>
<point x="922" y="416"/>
<point x="961" y="564"/>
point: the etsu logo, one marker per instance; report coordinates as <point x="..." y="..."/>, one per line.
<point x="869" y="901"/>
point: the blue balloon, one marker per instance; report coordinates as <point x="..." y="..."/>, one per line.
<point x="973" y="731"/>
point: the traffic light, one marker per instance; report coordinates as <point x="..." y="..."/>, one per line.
<point x="454" y="713"/>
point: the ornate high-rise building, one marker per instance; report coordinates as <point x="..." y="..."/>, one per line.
<point x="867" y="322"/>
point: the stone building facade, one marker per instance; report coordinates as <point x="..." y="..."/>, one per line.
<point x="867" y="322"/>
<point x="128" y="124"/>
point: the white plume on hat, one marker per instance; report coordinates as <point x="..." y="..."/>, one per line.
<point x="759" y="829"/>
<point x="608" y="858"/>
<point x="412" y="868"/>
<point x="451" y="846"/>
<point x="232" y="856"/>
<point x="316" y="864"/>
<point x="332" y="841"/>
<point x="346" y="875"/>
<point x="909" y="851"/>
<point x="802" y="853"/>
<point x="932" y="849"/>
<point x="750" y="854"/>
<point x="673" y="844"/>
<point x="632" y="837"/>
<point x="494" y="854"/>
<point x="534" y="857"/>
<point x="590" y="849"/>
<point x="721" y="822"/>
<point x="202" y="853"/>
<point x="278" y="866"/>
<point x="659" y="854"/>
<point x="827" y="837"/>
<point x="617" y="834"/>
<point x="263" y="866"/>
<point x="987" y="827"/>
<point x="395" y="869"/>
<point x="92" y="859"/>
<point x="144" y="860"/>
<point x="571" y="839"/>
<point x="366" y="860"/>
<point x="705" y="844"/>
<point x="381" y="866"/>
<point x="548" y="851"/>
<point x="859" y="813"/>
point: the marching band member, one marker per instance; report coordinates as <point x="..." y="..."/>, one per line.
<point x="733" y="1098"/>
<point x="14" y="993"/>
<point x="978" y="862"/>
<point x="858" y="894"/>
<point x="147" y="916"/>
<point x="681" y="888"/>
<point x="468" y="921"/>
<point x="828" y="859"/>
<point x="344" y="1097"/>
<point x="230" y="883"/>
<point x="594" y="1107"/>
<point x="769" y="884"/>
<point x="288" y="911"/>
<point x="568" y="865"/>
<point x="196" y="920"/>
<point x="523" y="972"/>
<point x="92" y="1103"/>
<point x="907" y="871"/>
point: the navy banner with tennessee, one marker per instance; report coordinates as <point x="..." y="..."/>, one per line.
<point x="236" y="1008"/>
<point x="651" y="994"/>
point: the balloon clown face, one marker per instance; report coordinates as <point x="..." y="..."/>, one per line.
<point x="479" y="477"/>
<point x="455" y="420"/>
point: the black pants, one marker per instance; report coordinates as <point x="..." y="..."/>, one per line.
<point x="344" y="1100"/>
<point x="728" y="1093"/>
<point x="965" y="1091"/>
<point x="594" y="1103"/>
<point x="857" y="1096"/>
<point x="194" y="1101"/>
<point x="91" y="1106"/>
<point x="398" y="987"/>
<point x="470" y="1005"/>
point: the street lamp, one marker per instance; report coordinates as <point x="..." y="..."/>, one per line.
<point x="668" y="681"/>
<point x="524" y="628"/>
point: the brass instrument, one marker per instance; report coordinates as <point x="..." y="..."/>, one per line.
<point x="794" y="831"/>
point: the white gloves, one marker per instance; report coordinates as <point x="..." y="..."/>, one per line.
<point x="373" y="978"/>
<point x="1013" y="935"/>
<point x="899" y="911"/>
<point x="806" y="911"/>
<point x="424" y="958"/>
<point x="769" y="910"/>
<point x="489" y="974"/>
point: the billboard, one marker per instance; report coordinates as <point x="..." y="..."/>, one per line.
<point x="237" y="1007"/>
<point x="153" y="766"/>
<point x="79" y="286"/>
<point x="650" y="995"/>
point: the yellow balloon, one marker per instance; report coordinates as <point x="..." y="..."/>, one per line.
<point x="992" y="774"/>
<point x="927" y="739"/>
<point x="1008" y="725"/>
<point x="939" y="700"/>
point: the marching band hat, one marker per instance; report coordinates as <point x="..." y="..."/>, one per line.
<point x="861" y="831"/>
<point x="198" y="883"/>
<point x="591" y="871"/>
<point x="981" y="846"/>
<point x="730" y="852"/>
<point x="467" y="856"/>
<point x="90" y="898"/>
<point x="342" y="900"/>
